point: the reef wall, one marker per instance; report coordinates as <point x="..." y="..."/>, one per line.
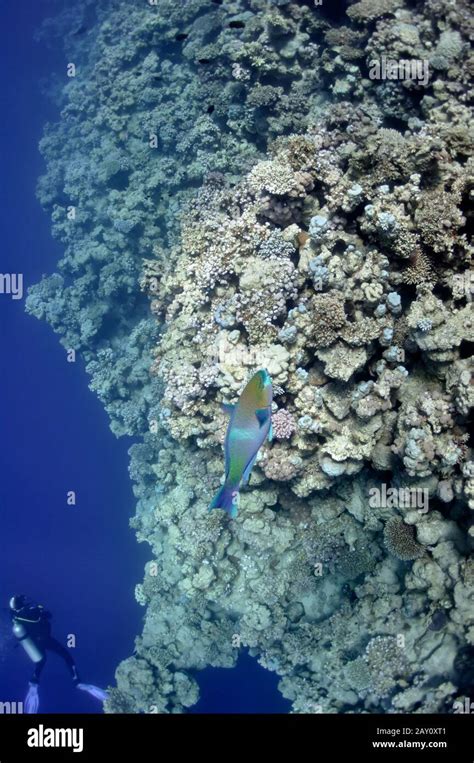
<point x="235" y="166"/>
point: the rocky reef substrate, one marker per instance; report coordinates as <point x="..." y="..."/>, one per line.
<point x="245" y="195"/>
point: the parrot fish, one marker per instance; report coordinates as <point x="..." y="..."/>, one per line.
<point x="249" y="426"/>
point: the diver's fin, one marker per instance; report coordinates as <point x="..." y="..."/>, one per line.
<point x="228" y="408"/>
<point x="94" y="691"/>
<point x="227" y="499"/>
<point x="262" y="415"/>
<point x="248" y="470"/>
<point x="32" y="700"/>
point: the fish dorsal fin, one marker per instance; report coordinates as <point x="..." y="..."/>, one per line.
<point x="262" y="414"/>
<point x="228" y="408"/>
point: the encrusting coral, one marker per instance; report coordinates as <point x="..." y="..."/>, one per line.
<point x="303" y="217"/>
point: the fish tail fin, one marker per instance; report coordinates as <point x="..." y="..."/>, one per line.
<point x="228" y="499"/>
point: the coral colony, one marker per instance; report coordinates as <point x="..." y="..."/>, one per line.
<point x="234" y="191"/>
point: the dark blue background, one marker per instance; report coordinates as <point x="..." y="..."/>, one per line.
<point x="82" y="562"/>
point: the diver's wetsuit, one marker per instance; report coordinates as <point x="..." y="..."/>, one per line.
<point x="36" y="621"/>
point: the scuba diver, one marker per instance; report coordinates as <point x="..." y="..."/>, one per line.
<point x="31" y="625"/>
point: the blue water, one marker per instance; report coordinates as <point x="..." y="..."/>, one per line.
<point x="248" y="688"/>
<point x="82" y="562"/>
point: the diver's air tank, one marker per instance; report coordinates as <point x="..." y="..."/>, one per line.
<point x="32" y="650"/>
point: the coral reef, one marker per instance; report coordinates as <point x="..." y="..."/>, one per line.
<point x="300" y="216"/>
<point x="400" y="541"/>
